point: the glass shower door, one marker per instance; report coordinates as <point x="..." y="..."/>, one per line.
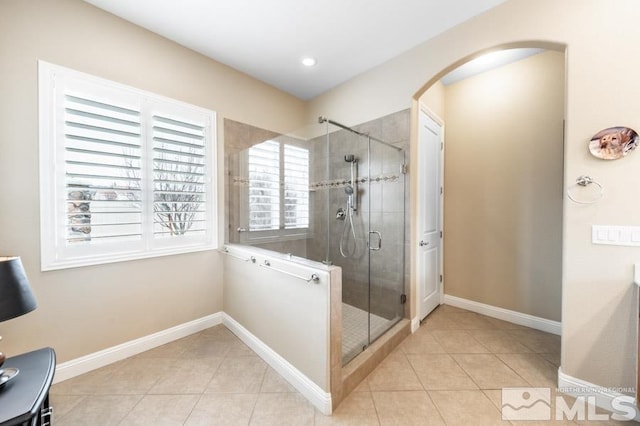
<point x="365" y="233"/>
<point x="385" y="243"/>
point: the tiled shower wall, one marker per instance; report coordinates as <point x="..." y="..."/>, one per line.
<point x="385" y="203"/>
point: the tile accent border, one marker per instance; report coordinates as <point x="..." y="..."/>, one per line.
<point x="337" y="183"/>
<point x="603" y="396"/>
<point x="341" y="183"/>
<point x="84" y="364"/>
<point x="542" y="324"/>
<point x="314" y="394"/>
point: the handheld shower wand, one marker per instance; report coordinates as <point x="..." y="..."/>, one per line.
<point x="352" y="189"/>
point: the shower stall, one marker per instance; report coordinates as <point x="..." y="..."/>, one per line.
<point x="332" y="194"/>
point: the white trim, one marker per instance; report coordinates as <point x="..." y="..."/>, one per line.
<point x="435" y="117"/>
<point x="429" y="114"/>
<point x="415" y="324"/>
<point x="105" y="259"/>
<point x="519" y="318"/>
<point x="78" y="366"/>
<point x="316" y="395"/>
<point x="603" y="396"/>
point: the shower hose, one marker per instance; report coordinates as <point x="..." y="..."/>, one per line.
<point x="345" y="251"/>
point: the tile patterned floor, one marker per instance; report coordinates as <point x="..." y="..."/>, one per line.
<point x="449" y="372"/>
<point x="355" y="329"/>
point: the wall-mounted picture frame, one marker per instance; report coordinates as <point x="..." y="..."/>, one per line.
<point x="613" y="143"/>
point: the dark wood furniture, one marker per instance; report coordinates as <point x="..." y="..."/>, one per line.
<point x="24" y="400"/>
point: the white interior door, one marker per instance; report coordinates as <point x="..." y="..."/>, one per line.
<point x="430" y="151"/>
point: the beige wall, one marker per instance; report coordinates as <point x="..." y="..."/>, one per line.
<point x="86" y="309"/>
<point x="435" y="99"/>
<point x="598" y="304"/>
<point x="503" y="180"/>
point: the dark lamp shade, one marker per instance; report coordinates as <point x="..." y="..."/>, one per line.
<point x="15" y="293"/>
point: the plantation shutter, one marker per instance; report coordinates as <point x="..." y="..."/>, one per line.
<point x="179" y="177"/>
<point x="102" y="161"/>
<point x="264" y="186"/>
<point x="296" y="187"/>
<point x="124" y="174"/>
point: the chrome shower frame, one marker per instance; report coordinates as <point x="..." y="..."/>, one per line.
<point x="323" y="119"/>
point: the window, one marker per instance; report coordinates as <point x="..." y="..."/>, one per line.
<point x="296" y="187"/>
<point x="278" y="191"/>
<point x="125" y="174"/>
<point x="264" y="186"/>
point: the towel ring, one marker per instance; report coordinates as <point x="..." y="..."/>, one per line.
<point x="584" y="181"/>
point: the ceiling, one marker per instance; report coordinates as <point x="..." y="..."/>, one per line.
<point x="488" y="62"/>
<point x="268" y="39"/>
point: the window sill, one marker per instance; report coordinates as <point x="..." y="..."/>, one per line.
<point x="248" y="239"/>
<point x="105" y="259"/>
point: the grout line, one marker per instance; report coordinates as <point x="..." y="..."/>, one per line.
<point x="375" y="407"/>
<point x="253" y="409"/>
<point x="463" y="370"/>
<point x="131" y="409"/>
<point x="436" y="406"/>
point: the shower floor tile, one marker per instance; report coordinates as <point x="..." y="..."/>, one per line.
<point x="355" y="330"/>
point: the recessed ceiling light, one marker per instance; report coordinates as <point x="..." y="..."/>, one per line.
<point x="309" y="61"/>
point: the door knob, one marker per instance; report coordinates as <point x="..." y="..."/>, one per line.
<point x="423" y="244"/>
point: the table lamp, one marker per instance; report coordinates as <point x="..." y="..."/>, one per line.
<point x="15" y="293"/>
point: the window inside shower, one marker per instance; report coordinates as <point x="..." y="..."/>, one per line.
<point x="331" y="194"/>
<point x="275" y="195"/>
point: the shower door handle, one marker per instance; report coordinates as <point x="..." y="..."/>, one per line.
<point x="371" y="247"/>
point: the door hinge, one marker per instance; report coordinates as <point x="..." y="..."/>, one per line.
<point x="403" y="299"/>
<point x="441" y="190"/>
<point x="441" y="146"/>
<point x="440" y="234"/>
<point x="440" y="278"/>
<point x="403" y="169"/>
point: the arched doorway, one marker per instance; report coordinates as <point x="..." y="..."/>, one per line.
<point x="503" y="174"/>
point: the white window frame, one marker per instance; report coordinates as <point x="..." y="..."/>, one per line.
<point x="274" y="235"/>
<point x="56" y="253"/>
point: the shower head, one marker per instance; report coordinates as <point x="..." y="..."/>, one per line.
<point x="348" y="189"/>
<point x="349" y="158"/>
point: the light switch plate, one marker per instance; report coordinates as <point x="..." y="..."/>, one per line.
<point x="616" y="235"/>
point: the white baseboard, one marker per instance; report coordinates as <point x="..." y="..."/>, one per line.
<point x="604" y="397"/>
<point x="317" y="396"/>
<point x="415" y="324"/>
<point x="314" y="394"/>
<point x="78" y="366"/>
<point x="526" y="320"/>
